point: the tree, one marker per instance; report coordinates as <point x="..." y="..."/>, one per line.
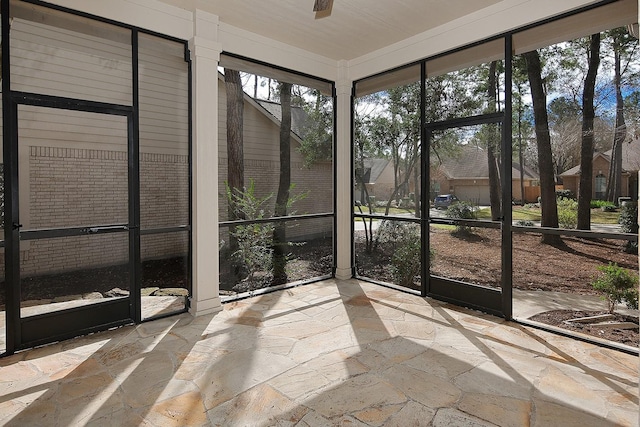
<point x="493" y="147"/>
<point x="317" y="132"/>
<point x="623" y="46"/>
<point x="284" y="185"/>
<point x="522" y="128"/>
<point x="548" y="203"/>
<point x="235" y="143"/>
<point x="565" y="127"/>
<point x="586" y="153"/>
<point x="235" y="155"/>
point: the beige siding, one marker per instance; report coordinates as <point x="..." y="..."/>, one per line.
<point x="164" y="101"/>
<point x="50" y="127"/>
<point x="55" y="61"/>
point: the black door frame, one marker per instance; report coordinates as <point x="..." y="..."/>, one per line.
<point x="63" y="324"/>
<point x="455" y="291"/>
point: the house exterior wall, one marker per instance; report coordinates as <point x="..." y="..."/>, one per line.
<point x="261" y="146"/>
<point x="73" y="165"/>
<point x="477" y="190"/>
<point x="382" y="188"/>
<point x="531" y="192"/>
<point x="600" y="166"/>
<point x="41" y="55"/>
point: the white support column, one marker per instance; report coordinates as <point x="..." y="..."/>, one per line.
<point x="205" y="55"/>
<point x="344" y="206"/>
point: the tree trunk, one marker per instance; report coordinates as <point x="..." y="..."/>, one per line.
<point x="614" y="183"/>
<point x="493" y="142"/>
<point x="586" y="150"/>
<point x="235" y="155"/>
<point x="282" y="199"/>
<point x="548" y="203"/>
<point x="520" y="153"/>
<point x="235" y="143"/>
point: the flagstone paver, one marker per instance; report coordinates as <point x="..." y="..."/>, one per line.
<point x="329" y="353"/>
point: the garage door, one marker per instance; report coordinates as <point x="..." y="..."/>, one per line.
<point x="477" y="194"/>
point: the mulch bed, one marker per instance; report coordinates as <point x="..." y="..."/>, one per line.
<point x="559" y="318"/>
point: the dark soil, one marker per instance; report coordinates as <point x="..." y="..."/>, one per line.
<point x="162" y="273"/>
<point x="305" y="261"/>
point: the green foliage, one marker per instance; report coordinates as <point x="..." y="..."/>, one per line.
<point x="405" y="243"/>
<point x="461" y="210"/>
<point x="603" y="204"/>
<point x="254" y="241"/>
<point x="618" y="285"/>
<point x="565" y="194"/>
<point x="317" y="131"/>
<point x="628" y="221"/>
<point x="567" y="213"/>
<point x="525" y="223"/>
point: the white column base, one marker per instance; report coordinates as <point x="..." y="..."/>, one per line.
<point x="343" y="273"/>
<point x="201" y="308"/>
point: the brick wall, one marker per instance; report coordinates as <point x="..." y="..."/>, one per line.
<point x="316" y="182"/>
<point x="82" y="187"/>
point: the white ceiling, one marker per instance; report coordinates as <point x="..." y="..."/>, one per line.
<point x="353" y="29"/>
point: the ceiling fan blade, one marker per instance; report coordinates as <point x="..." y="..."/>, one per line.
<point x="321" y="5"/>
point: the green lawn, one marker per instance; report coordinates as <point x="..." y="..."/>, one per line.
<point x="533" y="214"/>
<point x="519" y="213"/>
<point x="380" y="211"/>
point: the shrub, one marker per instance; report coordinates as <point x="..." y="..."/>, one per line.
<point x="603" y="204"/>
<point x="405" y="262"/>
<point x="461" y="210"/>
<point x="565" y="194"/>
<point x="254" y="242"/>
<point x="618" y="285"/>
<point x="567" y="213"/>
<point x="404" y="241"/>
<point x="628" y="221"/>
<point x="525" y="223"/>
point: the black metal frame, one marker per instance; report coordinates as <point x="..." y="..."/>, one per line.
<point x="456" y="291"/>
<point x="499" y="302"/>
<point x="63" y="324"/>
<point x="44" y="328"/>
<point x="300" y="216"/>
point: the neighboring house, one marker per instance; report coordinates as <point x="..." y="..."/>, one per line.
<point x="378" y="177"/>
<point x="601" y="163"/>
<point x="261" y="146"/>
<point x="467" y="176"/>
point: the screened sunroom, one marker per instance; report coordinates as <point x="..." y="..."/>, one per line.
<point x="166" y="160"/>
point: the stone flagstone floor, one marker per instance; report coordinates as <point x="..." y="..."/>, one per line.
<point x="330" y="353"/>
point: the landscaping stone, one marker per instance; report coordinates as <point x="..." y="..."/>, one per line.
<point x="592" y="319"/>
<point x="617" y="325"/>
<point x="145" y="292"/>
<point x="175" y="292"/>
<point x="116" y="292"/>
<point x="92" y="295"/>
